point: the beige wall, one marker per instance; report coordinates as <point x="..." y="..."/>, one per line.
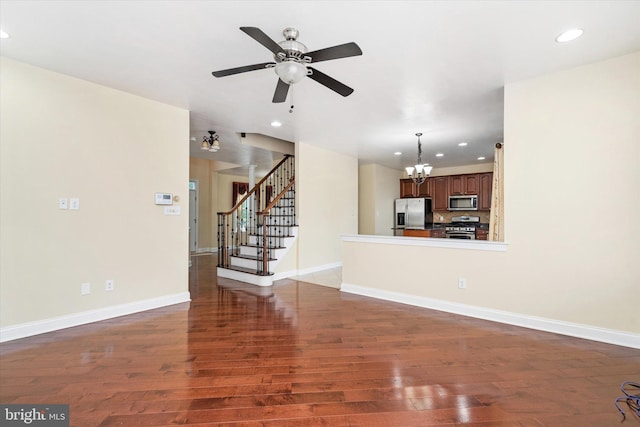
<point x="387" y="183"/>
<point x="367" y="199"/>
<point x="572" y="146"/>
<point x="459" y="170"/>
<point x="65" y="137"/>
<point x="327" y="201"/>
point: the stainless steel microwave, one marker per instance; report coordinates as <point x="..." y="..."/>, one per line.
<point x="463" y="203"/>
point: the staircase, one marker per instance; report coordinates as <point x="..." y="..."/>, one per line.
<point x="259" y="230"/>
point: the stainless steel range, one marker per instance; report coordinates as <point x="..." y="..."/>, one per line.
<point x="462" y="227"/>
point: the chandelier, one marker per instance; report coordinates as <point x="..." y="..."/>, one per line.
<point x="420" y="171"/>
<point x="211" y="143"/>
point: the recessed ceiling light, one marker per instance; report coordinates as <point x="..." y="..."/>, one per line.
<point x="481" y="158"/>
<point x="569" y="35"/>
<point x="398" y="153"/>
<point x="439" y="155"/>
<point x="462" y="144"/>
<point x="276" y="124"/>
<point x="4" y="35"/>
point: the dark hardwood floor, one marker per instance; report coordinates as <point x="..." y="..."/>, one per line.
<point x="299" y="354"/>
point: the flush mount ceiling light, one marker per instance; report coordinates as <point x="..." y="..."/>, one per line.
<point x="398" y="153"/>
<point x="276" y="124"/>
<point x="439" y="155"/>
<point x="4" y="35"/>
<point x="569" y="35"/>
<point x="481" y="158"/>
<point x="211" y="143"/>
<point x="462" y="144"/>
<point x="420" y="171"/>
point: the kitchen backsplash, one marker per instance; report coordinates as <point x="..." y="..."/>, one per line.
<point x="446" y="216"/>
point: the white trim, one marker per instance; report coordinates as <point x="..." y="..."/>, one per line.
<point x="53" y="324"/>
<point x="480" y="245"/>
<point x="285" y="275"/>
<point x="293" y="273"/>
<point x="610" y="336"/>
<point x="241" y="276"/>
<point x="196" y="213"/>
<point x="319" y="268"/>
<point x="203" y="250"/>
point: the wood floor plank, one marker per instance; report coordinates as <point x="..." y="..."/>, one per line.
<point x="302" y="355"/>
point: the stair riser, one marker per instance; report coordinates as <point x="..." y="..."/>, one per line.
<point x="253" y="251"/>
<point x="249" y="263"/>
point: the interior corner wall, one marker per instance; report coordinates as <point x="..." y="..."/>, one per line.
<point x="387" y="182"/>
<point x="366" y="199"/>
<point x="327" y="197"/>
<point x="62" y="137"/>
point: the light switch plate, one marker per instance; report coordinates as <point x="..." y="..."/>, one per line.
<point x="62" y="203"/>
<point x="172" y="210"/>
<point x="74" y="204"/>
<point x="85" y="289"/>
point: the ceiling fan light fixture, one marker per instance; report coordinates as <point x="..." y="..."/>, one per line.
<point x="291" y="71"/>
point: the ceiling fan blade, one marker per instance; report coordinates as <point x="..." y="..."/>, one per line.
<point x="258" y="35"/>
<point x="238" y="70"/>
<point x="335" y="52"/>
<point x="281" y="91"/>
<point x="330" y="82"/>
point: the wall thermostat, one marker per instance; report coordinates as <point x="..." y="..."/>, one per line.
<point x="164" y="199"/>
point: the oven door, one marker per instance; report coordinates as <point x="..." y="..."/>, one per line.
<point x="463" y="235"/>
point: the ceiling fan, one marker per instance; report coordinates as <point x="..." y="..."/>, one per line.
<point x="292" y="62"/>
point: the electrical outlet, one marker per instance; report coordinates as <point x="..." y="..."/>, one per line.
<point x="108" y="285"/>
<point x="462" y="283"/>
<point x="85" y="289"/>
<point x="63" y="203"/>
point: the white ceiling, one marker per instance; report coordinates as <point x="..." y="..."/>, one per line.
<point x="427" y="66"/>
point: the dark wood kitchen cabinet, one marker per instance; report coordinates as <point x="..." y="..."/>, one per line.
<point x="481" y="234"/>
<point x="408" y="188"/>
<point x="438" y="233"/>
<point x="484" y="195"/>
<point x="460" y="185"/>
<point x="440" y="193"/>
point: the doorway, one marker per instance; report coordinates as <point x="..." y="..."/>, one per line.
<point x="193" y="216"/>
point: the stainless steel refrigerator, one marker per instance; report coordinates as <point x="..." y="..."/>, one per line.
<point x="413" y="214"/>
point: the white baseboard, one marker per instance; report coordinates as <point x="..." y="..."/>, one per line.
<point x="293" y="273"/>
<point x="206" y="250"/>
<point x="24" y="330"/>
<point x="609" y="336"/>
<point x="319" y="268"/>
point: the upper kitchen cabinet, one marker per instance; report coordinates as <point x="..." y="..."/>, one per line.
<point x="408" y="188"/>
<point x="440" y="190"/>
<point x="460" y="185"/>
<point x="484" y="195"/>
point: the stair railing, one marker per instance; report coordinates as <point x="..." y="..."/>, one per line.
<point x="246" y="218"/>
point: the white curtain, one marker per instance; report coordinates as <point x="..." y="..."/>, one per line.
<point x="496" y="222"/>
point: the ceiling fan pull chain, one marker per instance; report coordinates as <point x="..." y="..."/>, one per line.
<point x="291" y="92"/>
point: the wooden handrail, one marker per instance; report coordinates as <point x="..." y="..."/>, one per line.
<point x="255" y="187"/>
<point x="278" y="197"/>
